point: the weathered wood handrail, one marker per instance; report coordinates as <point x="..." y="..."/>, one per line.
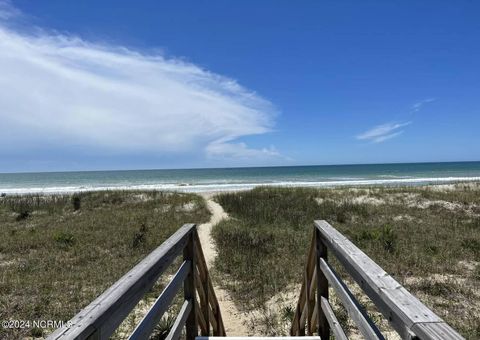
<point x="105" y="314"/>
<point x="405" y="313"/>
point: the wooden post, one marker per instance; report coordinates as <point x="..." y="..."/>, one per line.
<point x="309" y="281"/>
<point x="189" y="289"/>
<point x="206" y="306"/>
<point x="322" y="287"/>
<point x="306" y="279"/>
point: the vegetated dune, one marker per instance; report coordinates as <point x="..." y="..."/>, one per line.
<point x="59" y="252"/>
<point x="428" y="238"/>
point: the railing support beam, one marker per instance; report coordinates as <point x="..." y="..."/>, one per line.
<point x="322" y="287"/>
<point x="100" y="318"/>
<point x="191" y="325"/>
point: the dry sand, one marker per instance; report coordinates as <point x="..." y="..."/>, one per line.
<point x="233" y="319"/>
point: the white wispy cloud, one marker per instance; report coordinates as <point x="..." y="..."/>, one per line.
<point x="418" y="105"/>
<point x="383" y="132"/>
<point x="7" y="11"/>
<point x="61" y="91"/>
<point x="240" y="151"/>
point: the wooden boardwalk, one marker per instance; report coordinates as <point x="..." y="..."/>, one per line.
<point x="199" y="310"/>
<point x="405" y="313"/>
<point x="200" y="316"/>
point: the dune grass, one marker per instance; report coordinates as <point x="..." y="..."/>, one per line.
<point x="59" y="252"/>
<point x="427" y="238"/>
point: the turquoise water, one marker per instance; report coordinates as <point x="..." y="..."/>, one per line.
<point x="200" y="180"/>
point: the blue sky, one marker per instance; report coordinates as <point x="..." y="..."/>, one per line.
<point x="148" y="84"/>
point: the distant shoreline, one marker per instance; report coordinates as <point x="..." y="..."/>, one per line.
<point x="231" y="187"/>
<point x="236" y="179"/>
<point x="236" y="167"/>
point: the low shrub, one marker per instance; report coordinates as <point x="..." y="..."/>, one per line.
<point x="64" y="238"/>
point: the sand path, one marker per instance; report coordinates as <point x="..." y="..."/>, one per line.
<point x="233" y="319"/>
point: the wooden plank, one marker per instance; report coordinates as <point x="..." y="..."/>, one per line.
<point x="191" y="326"/>
<point x="201" y="263"/>
<point x="213" y="306"/>
<point x="211" y="297"/>
<point x="313" y="323"/>
<point x="309" y="303"/>
<point x="302" y="313"/>
<point x="335" y="326"/>
<point x="314" y="316"/>
<point x="297" y="327"/>
<point x="213" y="321"/>
<point x="153" y="316"/>
<point x="200" y="288"/>
<point x="313" y="283"/>
<point x="216" y="309"/>
<point x="201" y="320"/>
<point x="303" y="317"/>
<point x="204" y="303"/>
<point x="180" y="321"/>
<point x="322" y="287"/>
<point x="296" y="319"/>
<point x="435" y="330"/>
<point x="217" y="321"/>
<point x="355" y="311"/>
<point x="221" y="328"/>
<point x="107" y="311"/>
<point x="309" y="300"/>
<point x="257" y="338"/>
<point x="206" y="306"/>
<point x="399" y="306"/>
<point x="310" y="263"/>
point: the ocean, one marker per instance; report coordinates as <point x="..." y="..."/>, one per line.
<point x="223" y="179"/>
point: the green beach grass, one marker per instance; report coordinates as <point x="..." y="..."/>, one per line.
<point x="428" y="238"/>
<point x="59" y="252"/>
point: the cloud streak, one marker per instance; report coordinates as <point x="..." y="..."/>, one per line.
<point x="60" y="91"/>
<point x="381" y="133"/>
<point x="420" y="104"/>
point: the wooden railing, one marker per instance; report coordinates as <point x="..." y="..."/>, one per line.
<point x="200" y="308"/>
<point x="314" y="314"/>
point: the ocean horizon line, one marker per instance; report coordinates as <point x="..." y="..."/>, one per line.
<point x="234" y="167"/>
<point x="219" y="187"/>
<point x="232" y="179"/>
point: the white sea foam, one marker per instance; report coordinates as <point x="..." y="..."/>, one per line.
<point x="238" y="186"/>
